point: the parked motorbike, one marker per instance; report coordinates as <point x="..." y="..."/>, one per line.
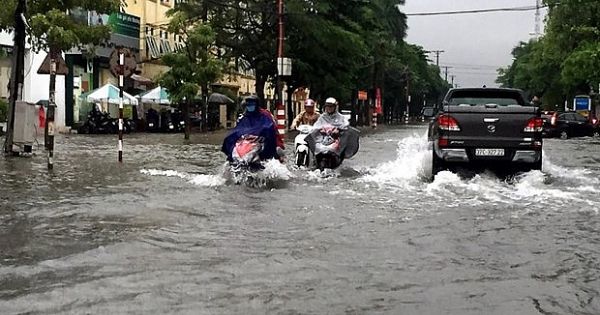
<point x="152" y="120"/>
<point x="98" y="122"/>
<point x="332" y="145"/>
<point x="303" y="154"/>
<point x="179" y="120"/>
<point x="167" y="123"/>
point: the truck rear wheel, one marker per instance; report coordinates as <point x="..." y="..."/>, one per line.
<point x="437" y="165"/>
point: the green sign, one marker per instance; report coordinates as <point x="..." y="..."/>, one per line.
<point x="125" y="24"/>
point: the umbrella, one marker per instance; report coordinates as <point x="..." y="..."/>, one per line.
<point x="219" y="99"/>
<point x="110" y="93"/>
<point x="157" y="95"/>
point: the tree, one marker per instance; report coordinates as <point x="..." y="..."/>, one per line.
<point x="564" y="62"/>
<point x="191" y="68"/>
<point x="51" y="26"/>
<point x="336" y="46"/>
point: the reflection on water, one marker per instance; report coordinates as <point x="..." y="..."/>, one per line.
<point x="165" y="233"/>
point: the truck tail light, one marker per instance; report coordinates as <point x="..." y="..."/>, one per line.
<point x="535" y="124"/>
<point x="448" y="123"/>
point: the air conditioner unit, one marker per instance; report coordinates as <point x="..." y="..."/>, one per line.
<point x="24" y="127"/>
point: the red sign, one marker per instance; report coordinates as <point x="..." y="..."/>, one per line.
<point x="362" y="95"/>
<point x="378" y="107"/>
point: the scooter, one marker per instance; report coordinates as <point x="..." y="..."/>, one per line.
<point x="152" y="120"/>
<point x="246" y="159"/>
<point x="332" y="145"/>
<point x="98" y="122"/>
<point x="301" y="149"/>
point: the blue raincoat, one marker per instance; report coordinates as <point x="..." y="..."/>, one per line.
<point x="256" y="124"/>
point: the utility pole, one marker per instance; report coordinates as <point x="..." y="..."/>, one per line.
<point x="452" y="76"/>
<point x="537" y="30"/>
<point x="446" y="72"/>
<point x="437" y="56"/>
<point x="49" y="131"/>
<point x="408" y="99"/>
<point x="279" y="88"/>
<point x="17" y="73"/>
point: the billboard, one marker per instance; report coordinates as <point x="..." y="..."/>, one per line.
<point x="582" y="103"/>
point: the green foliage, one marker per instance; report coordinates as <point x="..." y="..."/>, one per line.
<point x="336" y="46"/>
<point x="3" y="110"/>
<point x="566" y="61"/>
<point x="194" y="66"/>
<point x="51" y="26"/>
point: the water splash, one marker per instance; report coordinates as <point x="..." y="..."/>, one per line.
<point x="409" y="172"/>
<point x="409" y="168"/>
<point x="198" y="180"/>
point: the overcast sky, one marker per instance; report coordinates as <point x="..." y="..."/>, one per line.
<point x="475" y="45"/>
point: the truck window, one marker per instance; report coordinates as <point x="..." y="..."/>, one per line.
<point x="501" y="98"/>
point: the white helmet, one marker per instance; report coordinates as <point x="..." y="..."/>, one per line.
<point x="331" y="100"/>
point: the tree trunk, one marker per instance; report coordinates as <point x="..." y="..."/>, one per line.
<point x="260" y="87"/>
<point x="186" y="119"/>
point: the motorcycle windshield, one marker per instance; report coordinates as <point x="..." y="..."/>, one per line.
<point x="323" y="141"/>
<point x="247" y="149"/>
<point x="257" y="125"/>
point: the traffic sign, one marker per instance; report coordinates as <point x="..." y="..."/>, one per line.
<point x="61" y="65"/>
<point x="362" y="95"/>
<point x="129" y="62"/>
<point x="582" y="102"/>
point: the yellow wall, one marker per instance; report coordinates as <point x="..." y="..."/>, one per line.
<point x="153" y="13"/>
<point x="153" y="71"/>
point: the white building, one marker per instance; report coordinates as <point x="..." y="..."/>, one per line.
<point x="36" y="86"/>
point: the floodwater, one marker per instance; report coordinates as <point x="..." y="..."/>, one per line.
<point x="164" y="233"/>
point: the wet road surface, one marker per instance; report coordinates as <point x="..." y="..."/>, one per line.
<point x="165" y="234"/>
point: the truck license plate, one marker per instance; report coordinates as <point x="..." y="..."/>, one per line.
<point x="489" y="152"/>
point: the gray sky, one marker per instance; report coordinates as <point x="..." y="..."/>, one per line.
<point x="475" y="45"/>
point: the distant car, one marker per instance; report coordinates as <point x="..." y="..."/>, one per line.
<point x="569" y="125"/>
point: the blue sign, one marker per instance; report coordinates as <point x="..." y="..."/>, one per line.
<point x="582" y="103"/>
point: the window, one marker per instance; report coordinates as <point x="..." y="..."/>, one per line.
<point x="481" y="97"/>
<point x="580" y="118"/>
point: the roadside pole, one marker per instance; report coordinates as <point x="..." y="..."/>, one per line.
<point x="122" y="64"/>
<point x="17" y="73"/>
<point x="51" y="109"/>
<point x="121" y="72"/>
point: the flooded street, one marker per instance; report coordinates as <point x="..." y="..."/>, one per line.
<point x="165" y="234"/>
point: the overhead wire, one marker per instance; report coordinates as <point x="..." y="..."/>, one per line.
<point x="507" y="9"/>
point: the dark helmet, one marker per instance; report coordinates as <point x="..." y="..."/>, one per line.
<point x="251" y="99"/>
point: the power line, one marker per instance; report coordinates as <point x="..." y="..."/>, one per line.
<point x="511" y="9"/>
<point x="469" y="65"/>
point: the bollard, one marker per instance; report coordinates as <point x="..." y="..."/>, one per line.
<point x="281" y="119"/>
<point x="374" y="119"/>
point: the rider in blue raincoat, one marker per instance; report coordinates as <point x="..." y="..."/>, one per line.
<point x="253" y="122"/>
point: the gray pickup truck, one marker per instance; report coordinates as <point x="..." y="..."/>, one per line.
<point x="486" y="128"/>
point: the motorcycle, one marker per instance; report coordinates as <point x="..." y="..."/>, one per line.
<point x="301" y="149"/>
<point x="98" y="122"/>
<point x="167" y="123"/>
<point x="179" y="120"/>
<point x="152" y="120"/>
<point x="332" y="145"/>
